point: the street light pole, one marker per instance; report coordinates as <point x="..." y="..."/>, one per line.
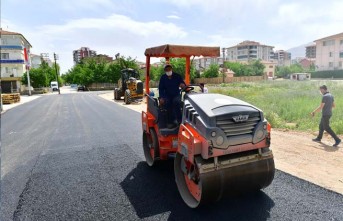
<point x="55" y="57"/>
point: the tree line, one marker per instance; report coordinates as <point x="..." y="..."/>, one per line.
<point x="252" y="68"/>
<point x="42" y="76"/>
<point x="98" y="70"/>
<point x="285" y="71"/>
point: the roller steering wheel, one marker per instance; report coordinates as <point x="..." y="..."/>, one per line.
<point x="187" y="89"/>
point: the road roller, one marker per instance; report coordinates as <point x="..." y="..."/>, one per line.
<point x="221" y="147"/>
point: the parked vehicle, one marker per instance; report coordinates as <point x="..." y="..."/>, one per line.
<point x="81" y="88"/>
<point x="54" y="85"/>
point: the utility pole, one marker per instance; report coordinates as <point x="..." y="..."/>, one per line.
<point x="58" y="85"/>
<point x="223" y="49"/>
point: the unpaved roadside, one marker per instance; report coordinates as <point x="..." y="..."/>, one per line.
<point x="295" y="153"/>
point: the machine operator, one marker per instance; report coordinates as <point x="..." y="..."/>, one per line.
<point x="169" y="94"/>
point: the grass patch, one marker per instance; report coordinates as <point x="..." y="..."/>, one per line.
<point x="287" y="104"/>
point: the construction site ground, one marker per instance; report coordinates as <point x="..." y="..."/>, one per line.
<point x="294" y="153"/>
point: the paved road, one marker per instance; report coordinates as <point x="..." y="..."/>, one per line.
<point x="79" y="157"/>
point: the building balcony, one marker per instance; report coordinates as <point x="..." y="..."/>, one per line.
<point x="12" y="61"/>
<point x="11" y="47"/>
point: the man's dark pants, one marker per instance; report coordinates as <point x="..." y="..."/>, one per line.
<point x="173" y="105"/>
<point x="325" y="126"/>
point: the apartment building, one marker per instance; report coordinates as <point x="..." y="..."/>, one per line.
<point x="12" y="60"/>
<point x="282" y="57"/>
<point x="204" y="62"/>
<point x="311" y="51"/>
<point x="36" y="60"/>
<point x="329" y="52"/>
<point x="81" y="53"/>
<point x="249" y="50"/>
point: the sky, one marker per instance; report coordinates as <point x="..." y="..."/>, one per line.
<point x="129" y="27"/>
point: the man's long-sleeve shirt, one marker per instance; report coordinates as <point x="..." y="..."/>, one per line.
<point x="169" y="86"/>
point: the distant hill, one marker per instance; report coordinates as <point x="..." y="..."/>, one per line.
<point x="299" y="51"/>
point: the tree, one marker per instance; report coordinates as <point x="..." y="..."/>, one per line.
<point x="236" y="67"/>
<point x="257" y="68"/>
<point x="212" y="71"/>
<point x="156" y="72"/>
<point x="296" y="68"/>
<point x="285" y="71"/>
<point x="253" y="68"/>
<point x="179" y="66"/>
<point x="97" y="70"/>
<point x="41" y="76"/>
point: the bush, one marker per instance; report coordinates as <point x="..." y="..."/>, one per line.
<point x="327" y="74"/>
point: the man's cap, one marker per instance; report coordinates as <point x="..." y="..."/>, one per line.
<point x="323" y="87"/>
<point x="167" y="65"/>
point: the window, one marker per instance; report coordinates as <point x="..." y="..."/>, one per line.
<point x="341" y="42"/>
<point x="242" y="57"/>
<point x="341" y="54"/>
<point x="3" y="41"/>
<point x="5" y="55"/>
<point x="340" y="64"/>
<point x="328" y="42"/>
<point x="330" y="64"/>
<point x="330" y="54"/>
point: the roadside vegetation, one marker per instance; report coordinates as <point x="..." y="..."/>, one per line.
<point x="41" y="76"/>
<point x="98" y="70"/>
<point x="287" y="104"/>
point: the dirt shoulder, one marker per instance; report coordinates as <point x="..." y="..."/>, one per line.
<point x="295" y="153"/>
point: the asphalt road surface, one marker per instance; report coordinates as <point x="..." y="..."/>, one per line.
<point x="79" y="157"/>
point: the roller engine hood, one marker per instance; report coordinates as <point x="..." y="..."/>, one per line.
<point x="210" y="106"/>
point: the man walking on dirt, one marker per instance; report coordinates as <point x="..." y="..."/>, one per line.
<point x="326" y="107"/>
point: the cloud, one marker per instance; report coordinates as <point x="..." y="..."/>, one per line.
<point x="173" y="17"/>
<point x="89" y="4"/>
<point x="307" y="21"/>
<point x="223" y="41"/>
<point x="117" y="23"/>
<point x="109" y="35"/>
<point x="224" y="8"/>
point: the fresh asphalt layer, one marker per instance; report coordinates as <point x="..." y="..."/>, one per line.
<point x="79" y="157"/>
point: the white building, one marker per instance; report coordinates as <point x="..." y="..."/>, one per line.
<point x="203" y="63"/>
<point x="300" y="76"/>
<point x="12" y="61"/>
<point x="36" y="60"/>
<point x="249" y="50"/>
<point x="329" y="52"/>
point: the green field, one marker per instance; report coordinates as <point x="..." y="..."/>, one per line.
<point x="287" y="104"/>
